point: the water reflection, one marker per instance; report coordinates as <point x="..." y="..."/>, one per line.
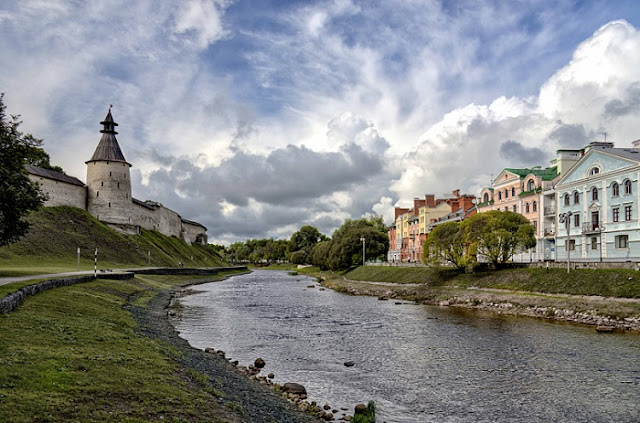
<point x="419" y="363"/>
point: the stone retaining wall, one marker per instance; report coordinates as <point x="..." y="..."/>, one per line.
<point x="9" y="302"/>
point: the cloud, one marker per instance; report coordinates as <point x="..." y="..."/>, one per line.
<point x="200" y="21"/>
<point x="515" y="152"/>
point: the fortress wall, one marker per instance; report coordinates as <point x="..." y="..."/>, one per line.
<point x="61" y="193"/>
<point x="194" y="234"/>
<point x="169" y="222"/>
<point x="144" y="217"/>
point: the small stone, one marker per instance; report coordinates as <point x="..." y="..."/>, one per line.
<point x="235" y="363"/>
<point x="271" y="375"/>
<point x="327" y="407"/>
<point x="383" y="298"/>
<point x="210" y="350"/>
<point x="172" y="312"/>
<point x="347" y="418"/>
<point x="349" y="363"/>
<point x="327" y="416"/>
<point x="311" y="286"/>
<point x="259" y="363"/>
<point x="360" y="409"/>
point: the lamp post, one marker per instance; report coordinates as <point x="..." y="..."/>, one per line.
<point x="566" y="219"/>
<point x="602" y="245"/>
<point x="363" y="257"/>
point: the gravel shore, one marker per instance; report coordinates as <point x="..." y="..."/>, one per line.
<point x="258" y="403"/>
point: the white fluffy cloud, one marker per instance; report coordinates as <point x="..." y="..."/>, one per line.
<point x="597" y="91"/>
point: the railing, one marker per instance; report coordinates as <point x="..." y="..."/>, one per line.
<point x="592" y="227"/>
<point x="549" y="231"/>
<point x="549" y="210"/>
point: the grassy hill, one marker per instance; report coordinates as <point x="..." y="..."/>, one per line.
<point x="57" y="232"/>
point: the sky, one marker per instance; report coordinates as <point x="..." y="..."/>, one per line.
<point x="255" y="118"/>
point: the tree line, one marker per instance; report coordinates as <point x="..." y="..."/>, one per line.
<point x="309" y="246"/>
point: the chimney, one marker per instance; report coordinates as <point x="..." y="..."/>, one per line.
<point x="466" y="202"/>
<point x="399" y="212"/>
<point x="430" y="200"/>
<point x="456" y="193"/>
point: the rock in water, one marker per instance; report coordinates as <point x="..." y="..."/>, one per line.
<point x="294" y="388"/>
<point x="349" y="363"/>
<point x="360" y="409"/>
<point x="259" y="363"/>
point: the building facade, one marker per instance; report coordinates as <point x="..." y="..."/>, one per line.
<point x="107" y="193"/>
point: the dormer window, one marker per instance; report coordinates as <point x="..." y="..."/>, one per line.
<point x="594" y="171"/>
<point x="485" y="198"/>
<point x="531" y="185"/>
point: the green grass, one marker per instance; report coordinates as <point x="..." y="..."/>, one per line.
<point x="608" y="283"/>
<point x="57" y="232"/>
<point x="73" y="354"/>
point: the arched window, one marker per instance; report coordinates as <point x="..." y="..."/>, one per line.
<point x="513" y="191"/>
<point x="566" y="199"/>
<point x="535" y="206"/>
<point x="485" y="198"/>
<point x="576" y="197"/>
<point x="526" y="207"/>
<point x="531" y="185"/>
<point x="594" y="194"/>
<point x="594" y="171"/>
<point x="506" y="193"/>
<point x="499" y="195"/>
<point x="627" y="187"/>
<point x="615" y="189"/>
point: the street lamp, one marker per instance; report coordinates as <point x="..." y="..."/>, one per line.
<point x="363" y="257"/>
<point x="566" y="219"/>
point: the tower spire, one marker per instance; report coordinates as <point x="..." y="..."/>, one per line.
<point x="108" y="148"/>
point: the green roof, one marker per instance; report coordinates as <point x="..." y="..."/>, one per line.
<point x="547" y="174"/>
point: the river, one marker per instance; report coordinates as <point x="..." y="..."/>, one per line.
<point x="419" y="363"/>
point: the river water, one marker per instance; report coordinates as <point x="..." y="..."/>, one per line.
<point x="419" y="363"/>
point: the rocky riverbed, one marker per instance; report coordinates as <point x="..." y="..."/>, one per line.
<point x="606" y="314"/>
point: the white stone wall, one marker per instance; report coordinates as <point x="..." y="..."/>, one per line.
<point x="61" y="193"/>
<point x="109" y="191"/>
<point x="194" y="234"/>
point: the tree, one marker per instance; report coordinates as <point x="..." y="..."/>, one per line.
<point x="498" y="235"/>
<point x="304" y="240"/>
<point x="446" y="242"/>
<point x="319" y="255"/>
<point x="18" y="195"/>
<point x="346" y="245"/>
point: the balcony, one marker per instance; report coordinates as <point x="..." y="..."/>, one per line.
<point x="592" y="227"/>
<point x="549" y="231"/>
<point x="550" y="210"/>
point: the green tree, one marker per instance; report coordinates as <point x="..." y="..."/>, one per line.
<point x="346" y="244"/>
<point x="18" y="195"/>
<point x="446" y="243"/>
<point x="304" y="240"/>
<point x="498" y="235"/>
<point x="319" y="255"/>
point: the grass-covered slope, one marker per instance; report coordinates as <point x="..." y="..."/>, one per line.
<point x="57" y="232"/>
<point x="609" y="283"/>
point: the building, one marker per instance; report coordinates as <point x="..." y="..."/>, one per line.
<point x="530" y="192"/>
<point x="107" y="193"/>
<point x="412" y="225"/>
<point x="597" y="202"/>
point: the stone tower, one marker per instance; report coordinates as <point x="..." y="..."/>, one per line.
<point x="109" y="179"/>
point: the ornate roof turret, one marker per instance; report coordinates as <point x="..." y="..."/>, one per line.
<point x="108" y="148"/>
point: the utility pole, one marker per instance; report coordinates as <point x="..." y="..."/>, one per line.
<point x="95" y="263"/>
<point x="566" y="219"/>
<point x="363" y="251"/>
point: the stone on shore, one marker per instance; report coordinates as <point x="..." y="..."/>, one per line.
<point x="360" y="409"/>
<point x="259" y="363"/>
<point x="349" y="363"/>
<point x="294" y="388"/>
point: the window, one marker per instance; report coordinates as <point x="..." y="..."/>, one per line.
<point x="109" y="173"/>
<point x="572" y="245"/>
<point x="109" y="204"/>
<point x="506" y="193"/>
<point x="526" y="207"/>
<point x="594" y="171"/>
<point x="622" y="241"/>
<point x="499" y="195"/>
<point x="97" y="194"/>
<point x="535" y="206"/>
<point x="513" y="191"/>
<point x="515" y="209"/>
<point x="566" y="199"/>
<point x="627" y="187"/>
<point x="531" y="185"/>
<point x="485" y="198"/>
<point x="535" y="224"/>
<point x="615" y="189"/>
<point x="616" y="214"/>
<point x="627" y="212"/>
<point x="506" y="209"/>
<point x="594" y="194"/>
<point x="102" y="183"/>
<point x="576" y="220"/>
<point x="594" y="243"/>
<point x="118" y="184"/>
<point x="576" y="197"/>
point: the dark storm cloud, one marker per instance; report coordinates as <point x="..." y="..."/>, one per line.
<point x="569" y="135"/>
<point x="626" y="106"/>
<point x="514" y="151"/>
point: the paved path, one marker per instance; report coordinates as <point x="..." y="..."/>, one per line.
<point x="4" y="281"/>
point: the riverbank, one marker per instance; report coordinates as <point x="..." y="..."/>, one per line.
<point x="606" y="299"/>
<point x="105" y="351"/>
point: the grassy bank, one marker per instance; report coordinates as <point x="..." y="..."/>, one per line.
<point x="608" y="283"/>
<point x="74" y="354"/>
<point x="57" y="232"/>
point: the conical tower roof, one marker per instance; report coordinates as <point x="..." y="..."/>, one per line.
<point x="108" y="148"/>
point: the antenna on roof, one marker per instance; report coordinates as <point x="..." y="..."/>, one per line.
<point x="491" y="179"/>
<point x="605" y="135"/>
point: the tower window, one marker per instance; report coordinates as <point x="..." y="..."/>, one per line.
<point x="97" y="193"/>
<point x="109" y="173"/>
<point x="102" y="183"/>
<point x="118" y="184"/>
<point x="109" y="204"/>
